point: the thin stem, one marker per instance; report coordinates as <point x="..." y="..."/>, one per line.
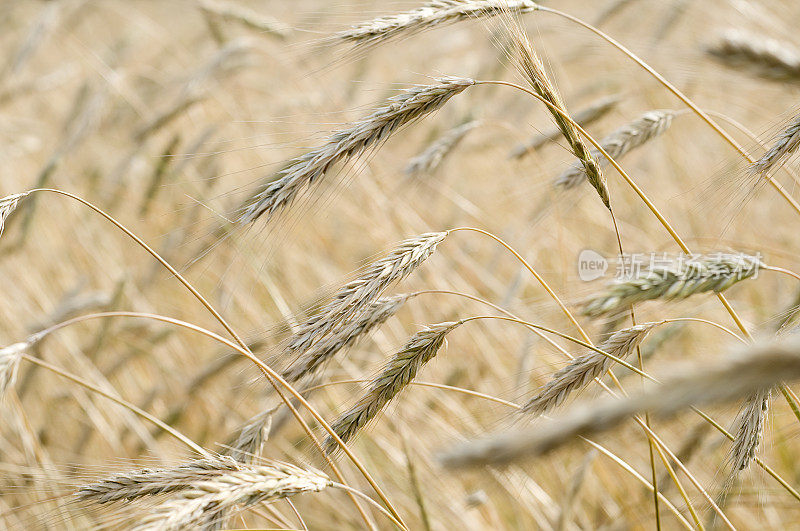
<point x="782" y="270"/>
<point x="268" y="371"/>
<point x="369" y="500"/>
<point x="244" y="348"/>
<point x="739" y="323"/>
<point x="680" y="95"/>
<point x="538" y="277"/>
<point x="564" y="336"/>
<point x="124" y="403"/>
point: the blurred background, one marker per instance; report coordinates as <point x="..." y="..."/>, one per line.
<point x="167" y="114"/>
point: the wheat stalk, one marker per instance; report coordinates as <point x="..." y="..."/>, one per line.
<point x="201" y="505"/>
<point x="699" y="274"/>
<point x="373" y="315"/>
<point x="584" y="369"/>
<point x="756" y="370"/>
<point x="355" y="296"/>
<point x="766" y="56"/>
<point x="628" y="137"/>
<point x="396" y="375"/>
<point x="7" y="206"/>
<point x="584" y="117"/>
<point x="533" y="70"/>
<point x="434" y="14"/>
<point x="251" y="437"/>
<point x="749" y="429"/>
<point x="246" y="17"/>
<point x="152" y="482"/>
<point x="783" y="148"/>
<point x="309" y="168"/>
<point x="429" y="160"/>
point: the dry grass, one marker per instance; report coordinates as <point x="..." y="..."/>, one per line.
<point x="304" y="120"/>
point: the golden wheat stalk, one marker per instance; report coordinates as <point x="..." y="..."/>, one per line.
<point x="279" y="191"/>
<point x="625" y="139"/>
<point x="584" y="117"/>
<point x="203" y="504"/>
<point x="354" y="297"/>
<point x="396" y="375"/>
<point x="584" y="369"/>
<point x="435" y="14"/>
<point x="533" y="70"/>
<point x="755" y="370"/>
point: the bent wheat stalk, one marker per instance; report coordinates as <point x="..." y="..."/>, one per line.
<point x="533" y="70"/>
<point x="434" y="14"/>
<point x="396" y="375"/>
<point x="628" y="137"/>
<point x="581" y="371"/>
<point x="280" y="191"/>
<point x="354" y="297"/>
<point x="759" y="368"/>
<point x="372" y="316"/>
<point x="201" y="504"/>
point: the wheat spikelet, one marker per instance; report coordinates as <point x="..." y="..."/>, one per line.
<point x="783" y="148"/>
<point x="756" y="370"/>
<point x="765" y="56"/>
<point x="251" y="437"/>
<point x="246" y="17"/>
<point x="152" y="482"/>
<point x="7" y="206"/>
<point x="307" y="169"/>
<point x="373" y="315"/>
<point x="749" y="429"/>
<point x="678" y="281"/>
<point x="584" y="369"/>
<point x="635" y="134"/>
<point x="429" y="160"/>
<point x="9" y="362"/>
<point x="584" y="117"/>
<point x="533" y="70"/>
<point x="398" y="373"/>
<point x="434" y="14"/>
<point x="352" y="298"/>
<point x="202" y="504"/>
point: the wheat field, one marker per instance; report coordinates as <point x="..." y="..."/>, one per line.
<point x="465" y="264"/>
